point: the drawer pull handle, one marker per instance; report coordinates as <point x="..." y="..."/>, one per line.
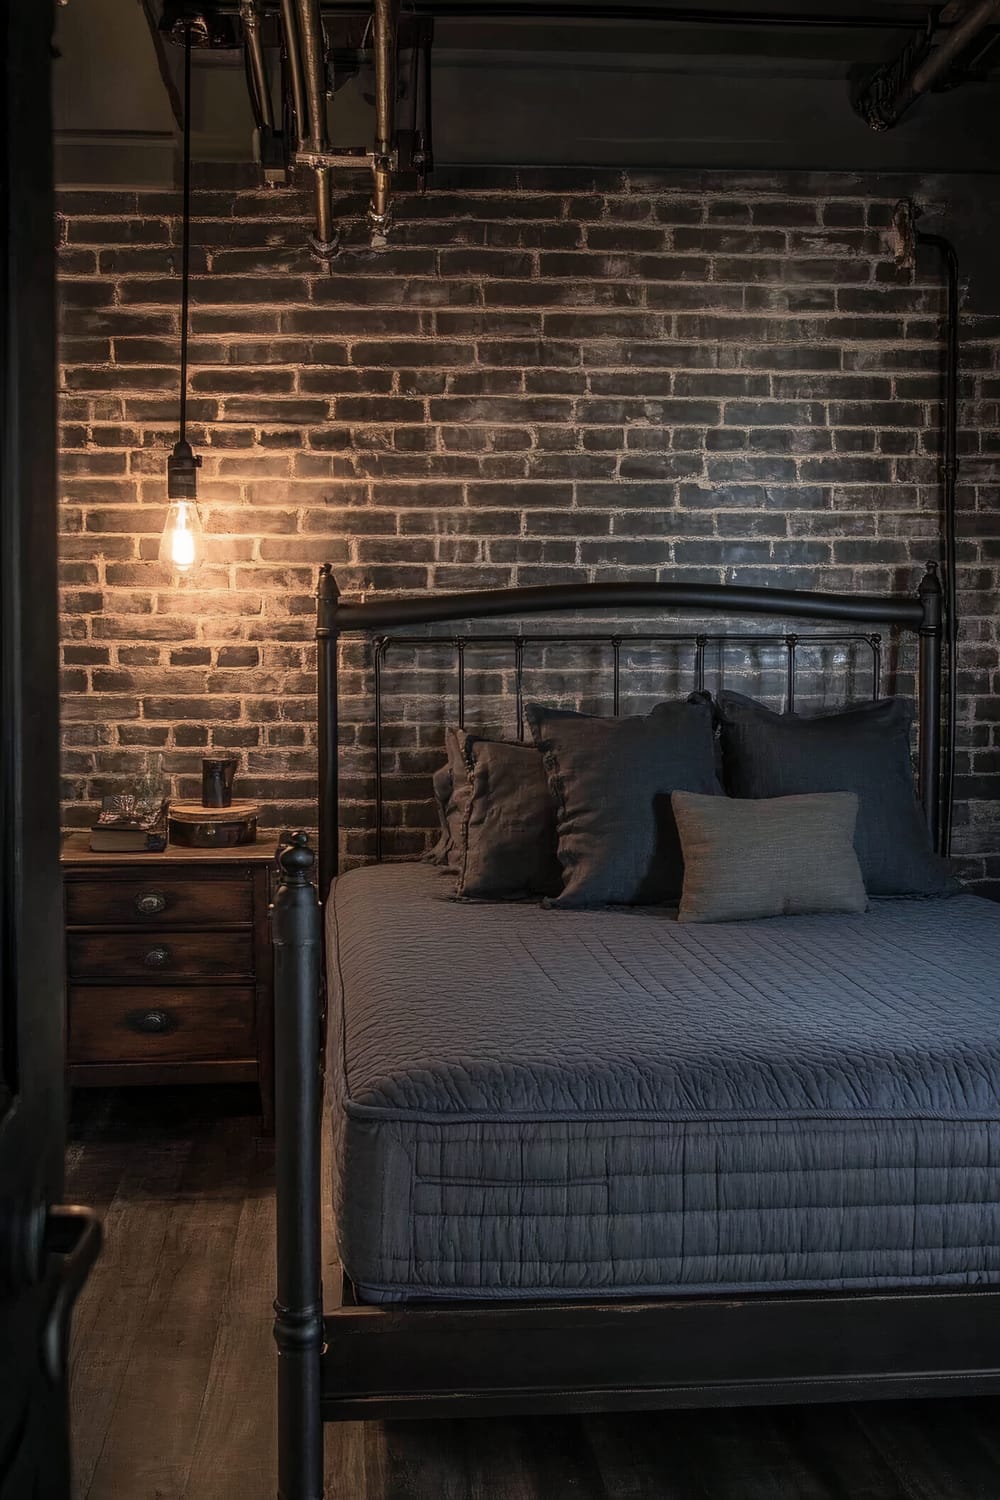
<point x="150" y="903"/>
<point x="153" y="1022"/>
<point x="157" y="958"/>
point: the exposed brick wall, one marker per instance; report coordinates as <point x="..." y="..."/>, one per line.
<point x="550" y="376"/>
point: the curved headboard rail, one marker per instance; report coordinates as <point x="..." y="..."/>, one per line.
<point x="921" y="611"/>
<point x="734" y="599"/>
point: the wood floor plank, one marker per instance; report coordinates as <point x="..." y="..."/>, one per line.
<point x="536" y="1458"/>
<point x="404" y="1461"/>
<point x="644" y="1457"/>
<point x="112" y="1306"/>
<point x="235" y="1446"/>
<point x="745" y="1455"/>
<point x="149" y="1445"/>
<point x="832" y="1440"/>
<point x="345" y="1467"/>
<point x="936" y="1449"/>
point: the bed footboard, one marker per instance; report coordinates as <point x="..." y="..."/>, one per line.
<point x="296" y="932"/>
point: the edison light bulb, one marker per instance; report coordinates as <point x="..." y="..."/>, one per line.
<point x="179" y="545"/>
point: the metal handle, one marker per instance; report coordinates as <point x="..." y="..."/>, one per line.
<point x="150" y="903"/>
<point x="156" y="958"/>
<point x="151" y="1021"/>
<point x="73" y="1233"/>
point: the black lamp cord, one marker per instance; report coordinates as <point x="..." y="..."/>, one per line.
<point x="185" y="232"/>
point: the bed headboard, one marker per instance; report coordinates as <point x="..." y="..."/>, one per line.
<point x="921" y="612"/>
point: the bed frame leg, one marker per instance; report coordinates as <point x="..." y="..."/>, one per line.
<point x="296" y="932"/>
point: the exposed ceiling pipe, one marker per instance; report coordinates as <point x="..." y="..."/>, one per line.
<point x="384" y="158"/>
<point x="891" y="91"/>
<point x="293" y="54"/>
<point x="313" y="141"/>
<point x="423" y="147"/>
<point x="250" y="16"/>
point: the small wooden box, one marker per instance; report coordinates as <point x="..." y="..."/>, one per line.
<point x="194" y="826"/>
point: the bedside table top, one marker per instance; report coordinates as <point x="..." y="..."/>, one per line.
<point x="76" y="850"/>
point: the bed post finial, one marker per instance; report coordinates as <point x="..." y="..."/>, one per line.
<point x="295" y="858"/>
<point x="298" y="1305"/>
<point x="931" y="598"/>
<point x="327" y="637"/>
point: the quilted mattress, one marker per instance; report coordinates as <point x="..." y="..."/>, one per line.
<point x="537" y="1103"/>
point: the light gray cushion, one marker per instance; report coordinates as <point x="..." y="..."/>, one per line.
<point x="768" y="857"/>
<point x="612" y="779"/>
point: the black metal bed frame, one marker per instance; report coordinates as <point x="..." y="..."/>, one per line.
<point x="464" y="645"/>
<point x="489" y="1358"/>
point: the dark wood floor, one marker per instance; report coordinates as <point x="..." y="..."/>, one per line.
<point x="173" y="1365"/>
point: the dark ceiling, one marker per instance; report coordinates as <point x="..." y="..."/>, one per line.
<point x="538" y="81"/>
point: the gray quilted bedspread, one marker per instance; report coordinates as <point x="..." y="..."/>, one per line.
<point x="534" y="1102"/>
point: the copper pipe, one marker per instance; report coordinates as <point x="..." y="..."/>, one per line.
<point x="290" y="20"/>
<point x="326" y="238"/>
<point x="314" y="74"/>
<point x="883" y="102"/>
<point x="384" y="44"/>
<point x="312" y="122"/>
<point x="962" y="34"/>
<point x="250" y="15"/>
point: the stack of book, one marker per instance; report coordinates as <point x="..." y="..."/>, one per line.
<point x="128" y="826"/>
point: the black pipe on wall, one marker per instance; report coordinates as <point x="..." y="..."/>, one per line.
<point x="949" y="473"/>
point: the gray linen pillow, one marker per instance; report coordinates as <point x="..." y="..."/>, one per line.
<point x="497" y="815"/>
<point x="768" y="857"/>
<point x="441" y="851"/>
<point x="612" y="780"/>
<point x="863" y="749"/>
<point x="507" y="844"/>
<point x="452" y="791"/>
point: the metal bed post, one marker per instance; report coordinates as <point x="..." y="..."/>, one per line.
<point x="298" y="1323"/>
<point x="929" y="669"/>
<point x="327" y="641"/>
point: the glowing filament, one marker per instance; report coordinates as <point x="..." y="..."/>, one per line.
<point x="179" y="546"/>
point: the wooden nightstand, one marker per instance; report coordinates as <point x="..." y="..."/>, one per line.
<point x="168" y="967"/>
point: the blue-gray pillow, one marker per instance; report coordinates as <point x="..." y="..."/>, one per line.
<point x="612" y="780"/>
<point x="863" y="749"/>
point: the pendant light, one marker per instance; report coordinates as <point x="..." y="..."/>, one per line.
<point x="180" y="545"/>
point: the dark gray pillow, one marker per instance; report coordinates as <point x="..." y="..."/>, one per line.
<point x="866" y="750"/>
<point x="441" y="852"/>
<point x="497" y="815"/>
<point x="612" y="780"/>
<point x="774" y="857"/>
<point x="507" y="845"/>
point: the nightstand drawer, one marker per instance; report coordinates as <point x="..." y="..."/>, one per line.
<point x="160" y="1023"/>
<point x="166" y="955"/>
<point x="157" y="901"/>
